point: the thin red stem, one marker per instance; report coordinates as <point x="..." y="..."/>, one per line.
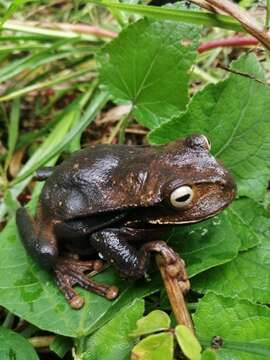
<point x="231" y="41"/>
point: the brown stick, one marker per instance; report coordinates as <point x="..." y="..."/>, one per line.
<point x="175" y="291"/>
<point x="247" y="21"/>
<point x="203" y="4"/>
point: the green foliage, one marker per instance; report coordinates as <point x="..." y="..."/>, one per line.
<point x="161" y="345"/>
<point x="14" y="346"/>
<point x="112" y="341"/>
<point x="244" y="328"/>
<point x="154" y="81"/>
<point x="188" y="342"/>
<point x="156" y="320"/>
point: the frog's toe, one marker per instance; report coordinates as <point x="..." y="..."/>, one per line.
<point x="70" y="272"/>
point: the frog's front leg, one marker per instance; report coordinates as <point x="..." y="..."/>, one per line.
<point x="116" y="248"/>
<point x="40" y="241"/>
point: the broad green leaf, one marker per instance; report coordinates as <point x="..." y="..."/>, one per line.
<point x="249" y="221"/>
<point x="234" y="114"/>
<point x="15" y="347"/>
<point x="243" y="327"/>
<point x="156" y="320"/>
<point x="154" y="347"/>
<point x="207" y="244"/>
<point x="246" y="277"/>
<point x="31" y="293"/>
<point x="147" y="65"/>
<point x="112" y="341"/>
<point x="188" y="342"/>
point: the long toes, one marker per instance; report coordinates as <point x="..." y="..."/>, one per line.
<point x="65" y="285"/>
<point x="108" y="291"/>
<point x="70" y="272"/>
<point x="83" y="266"/>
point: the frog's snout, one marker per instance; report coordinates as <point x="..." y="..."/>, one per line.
<point x="230" y="187"/>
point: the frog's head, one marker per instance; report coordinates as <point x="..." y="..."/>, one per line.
<point x="195" y="185"/>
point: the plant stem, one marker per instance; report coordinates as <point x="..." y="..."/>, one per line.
<point x="267" y="21"/>
<point x="8" y="322"/>
<point x="71" y="29"/>
<point x="41" y="341"/>
<point x="14" y="26"/>
<point x="247" y="21"/>
<point x="231" y="41"/>
<point x="120" y="125"/>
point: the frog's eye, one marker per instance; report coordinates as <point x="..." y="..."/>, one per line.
<point x="181" y="196"/>
<point x="207" y="142"/>
<point x="198" y="141"/>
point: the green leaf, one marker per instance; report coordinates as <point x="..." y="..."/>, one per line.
<point x="234" y="114"/>
<point x="243" y="327"/>
<point x="246" y="276"/>
<point x="179" y="15"/>
<point x="61" y="345"/>
<point x="112" y="341"/>
<point x="154" y="347"/>
<point x="156" y="320"/>
<point x="188" y="343"/>
<point x="209" y="354"/>
<point x="249" y="221"/>
<point x="147" y="65"/>
<point x="15" y="347"/>
<point x="217" y="241"/>
<point x="207" y="244"/>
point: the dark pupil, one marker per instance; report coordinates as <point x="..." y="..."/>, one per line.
<point x="183" y="198"/>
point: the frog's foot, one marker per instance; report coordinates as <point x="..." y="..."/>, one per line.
<point x="70" y="271"/>
<point x="175" y="266"/>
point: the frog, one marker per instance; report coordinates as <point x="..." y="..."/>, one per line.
<point x="120" y="202"/>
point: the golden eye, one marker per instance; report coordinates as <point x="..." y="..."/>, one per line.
<point x="181" y="196"/>
<point x="207" y="142"/>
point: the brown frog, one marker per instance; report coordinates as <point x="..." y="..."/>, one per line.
<point x="120" y="201"/>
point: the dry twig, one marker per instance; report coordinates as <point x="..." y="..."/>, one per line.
<point x="203" y="4"/>
<point x="177" y="285"/>
<point x="247" y="21"/>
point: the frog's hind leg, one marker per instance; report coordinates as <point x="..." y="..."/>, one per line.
<point x="40" y="243"/>
<point x="70" y="271"/>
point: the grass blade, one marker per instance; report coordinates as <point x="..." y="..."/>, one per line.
<point x="185" y="16"/>
<point x="13" y="130"/>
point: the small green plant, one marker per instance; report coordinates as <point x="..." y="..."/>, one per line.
<point x="161" y="344"/>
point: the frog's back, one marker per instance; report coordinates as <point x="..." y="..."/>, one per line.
<point x="96" y="179"/>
